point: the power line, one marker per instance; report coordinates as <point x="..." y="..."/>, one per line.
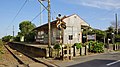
<point x="37" y="15"/>
<point x="17" y="13"/>
<point x="105" y="14"/>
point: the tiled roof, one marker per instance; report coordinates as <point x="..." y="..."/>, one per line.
<point x="54" y="22"/>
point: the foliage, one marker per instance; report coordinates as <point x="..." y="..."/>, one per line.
<point x="7" y="38"/>
<point x="110" y="29"/>
<point x="118" y="43"/>
<point x="26" y="30"/>
<point x="96" y="47"/>
<point x="26" y="27"/>
<point x="17" y="38"/>
<point x="78" y="45"/>
<point x="57" y="46"/>
<point x="1" y="47"/>
<point x="1" y="43"/>
<point x="99" y="34"/>
<point x="30" y="37"/>
<point x="117" y="38"/>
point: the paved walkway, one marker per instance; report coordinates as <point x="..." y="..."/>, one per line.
<point x="78" y="60"/>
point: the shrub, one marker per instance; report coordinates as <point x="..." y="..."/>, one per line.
<point x="17" y="39"/>
<point x="57" y="46"/>
<point x="30" y="37"/>
<point x="118" y="43"/>
<point x="96" y="47"/>
<point x="78" y="45"/>
<point x="57" y="50"/>
<point x="6" y="38"/>
<point x="1" y="47"/>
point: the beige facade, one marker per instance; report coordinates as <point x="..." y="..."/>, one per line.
<point x="73" y="29"/>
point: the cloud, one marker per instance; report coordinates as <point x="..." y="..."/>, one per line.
<point x="102" y="4"/>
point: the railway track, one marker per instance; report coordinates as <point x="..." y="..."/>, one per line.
<point x="25" y="61"/>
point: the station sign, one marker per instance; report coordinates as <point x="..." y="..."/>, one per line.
<point x="91" y="37"/>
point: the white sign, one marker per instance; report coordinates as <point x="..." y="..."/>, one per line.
<point x="91" y="37"/>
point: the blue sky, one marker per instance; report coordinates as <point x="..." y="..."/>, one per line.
<point x="98" y="13"/>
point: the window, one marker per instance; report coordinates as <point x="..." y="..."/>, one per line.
<point x="70" y="37"/>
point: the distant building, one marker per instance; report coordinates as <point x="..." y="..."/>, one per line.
<point x="72" y="34"/>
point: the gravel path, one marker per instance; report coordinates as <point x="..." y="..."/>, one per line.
<point x="7" y="60"/>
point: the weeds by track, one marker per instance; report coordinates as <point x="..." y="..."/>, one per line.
<point x="19" y="61"/>
<point x="23" y="59"/>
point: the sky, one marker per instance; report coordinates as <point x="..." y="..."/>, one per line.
<point x="97" y="13"/>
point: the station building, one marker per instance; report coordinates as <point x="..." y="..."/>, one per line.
<point x="72" y="34"/>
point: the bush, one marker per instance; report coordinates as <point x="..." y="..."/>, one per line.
<point x="118" y="43"/>
<point x="17" y="39"/>
<point x="78" y="45"/>
<point x="57" y="50"/>
<point x="1" y="43"/>
<point x="1" y="47"/>
<point x="96" y="47"/>
<point x="30" y="37"/>
<point x="6" y="38"/>
<point x="57" y="46"/>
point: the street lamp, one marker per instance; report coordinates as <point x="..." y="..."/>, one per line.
<point x="83" y="36"/>
<point x="108" y="43"/>
<point x="86" y="34"/>
<point x="113" y="37"/>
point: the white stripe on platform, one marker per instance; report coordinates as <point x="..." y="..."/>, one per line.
<point x="113" y="63"/>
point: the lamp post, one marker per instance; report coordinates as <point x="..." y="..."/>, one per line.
<point x="108" y="43"/>
<point x="112" y="38"/>
<point x="83" y="36"/>
<point x="86" y="34"/>
<point x="104" y="38"/>
<point x="113" y="41"/>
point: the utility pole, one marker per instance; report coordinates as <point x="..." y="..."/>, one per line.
<point x="116" y="23"/>
<point x="49" y="31"/>
<point x="13" y="30"/>
<point x="49" y="19"/>
<point x="40" y="15"/>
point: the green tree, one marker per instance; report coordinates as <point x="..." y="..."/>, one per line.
<point x="1" y="48"/>
<point x="110" y="29"/>
<point x="7" y="38"/>
<point x="30" y="37"/>
<point x="26" y="27"/>
<point x="17" y="38"/>
<point x="26" y="30"/>
<point x="109" y="32"/>
<point x="99" y="33"/>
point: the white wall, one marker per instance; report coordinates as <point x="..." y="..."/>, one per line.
<point x="73" y="24"/>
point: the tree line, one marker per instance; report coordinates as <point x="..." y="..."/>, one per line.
<point x="28" y="34"/>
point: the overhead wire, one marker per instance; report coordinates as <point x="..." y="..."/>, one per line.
<point x="45" y="8"/>
<point x="105" y="14"/>
<point x="17" y="13"/>
<point x="37" y="15"/>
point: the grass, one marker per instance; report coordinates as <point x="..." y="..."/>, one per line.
<point x="1" y="48"/>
